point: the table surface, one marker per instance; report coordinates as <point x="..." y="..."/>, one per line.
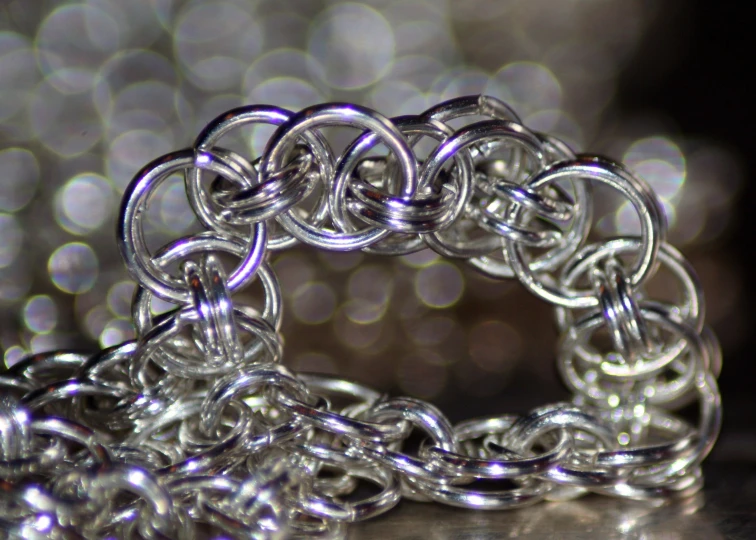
<point x="725" y="510"/>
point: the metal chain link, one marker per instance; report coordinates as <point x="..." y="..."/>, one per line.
<point x="196" y="427"/>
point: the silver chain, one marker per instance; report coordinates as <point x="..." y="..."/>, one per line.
<point x="196" y="427"/>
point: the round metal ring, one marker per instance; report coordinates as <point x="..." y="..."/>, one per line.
<point x="453" y="464"/>
<point x="420" y="414"/>
<point x="464" y="138"/>
<point x="410" y="214"/>
<point x="691" y="310"/>
<point x="478" y="105"/>
<point x="131" y="240"/>
<point x="197" y="368"/>
<point x="372" y="506"/>
<point x="266" y="200"/>
<point x="653" y="227"/>
<point x="582" y="210"/>
<point x="643" y="368"/>
<point x="263" y="114"/>
<point x="250" y="379"/>
<point x="215" y="311"/>
<point x="338" y="114"/>
<point x="41" y="369"/>
<point x="339" y="424"/>
<point x="198" y="244"/>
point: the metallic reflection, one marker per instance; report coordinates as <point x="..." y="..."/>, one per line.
<point x="91" y="90"/>
<point x="591" y="517"/>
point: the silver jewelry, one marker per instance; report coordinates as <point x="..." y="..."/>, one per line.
<point x="197" y="426"/>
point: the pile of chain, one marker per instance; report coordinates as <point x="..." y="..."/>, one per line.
<point x="195" y="428"/>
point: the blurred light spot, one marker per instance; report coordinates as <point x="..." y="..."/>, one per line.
<point x="176" y="216"/>
<point x="164" y="12"/>
<point x="420" y="71"/>
<point x="84" y="203"/>
<point x="527" y="87"/>
<point x="352" y="45"/>
<point x="422" y="374"/>
<point x="460" y="82"/>
<point x="420" y="259"/>
<point x="394" y="98"/>
<point x="15" y="282"/>
<point x="439" y="285"/>
<point x="13" y="355"/>
<point x="354" y="333"/>
<point x="655" y="148"/>
<point x="558" y="124"/>
<point x="119" y="298"/>
<point x="278" y="63"/>
<point x="293" y="270"/>
<point x="287" y="92"/>
<point x="72" y="42"/>
<point x="420" y="27"/>
<point x="364" y="311"/>
<point x="627" y="222"/>
<point x="373" y="284"/>
<point x="286" y="29"/>
<point x="340" y="261"/>
<point x="138" y="20"/>
<point x="128" y="68"/>
<point x="315" y="362"/>
<point x="313" y="303"/>
<point x="95" y="321"/>
<point x="214" y="56"/>
<point x="691" y="215"/>
<point x="48" y="342"/>
<point x="67" y="125"/>
<point x="130" y="151"/>
<point x="495" y="346"/>
<point x="11" y="239"/>
<point x="20" y="178"/>
<point x="160" y="306"/>
<point x="116" y="331"/>
<point x="429" y="331"/>
<point x="481" y="10"/>
<point x="73" y="268"/>
<point x="18" y="73"/>
<point x="147" y="105"/>
<point x="664" y="180"/>
<point x="659" y="162"/>
<point x="40" y="314"/>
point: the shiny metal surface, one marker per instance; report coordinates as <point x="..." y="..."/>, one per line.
<point x="480" y="356"/>
<point x="203" y="393"/>
<point x="725" y="510"/>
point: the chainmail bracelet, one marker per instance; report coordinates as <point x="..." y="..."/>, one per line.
<point x="195" y="428"/>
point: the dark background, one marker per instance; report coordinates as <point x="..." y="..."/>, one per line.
<point x="704" y="80"/>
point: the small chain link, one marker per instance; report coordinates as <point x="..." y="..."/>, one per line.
<point x="196" y="427"/>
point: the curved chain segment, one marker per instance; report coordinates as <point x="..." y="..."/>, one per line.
<point x="196" y="422"/>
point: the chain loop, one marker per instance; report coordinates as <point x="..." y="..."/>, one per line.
<point x="197" y="426"/>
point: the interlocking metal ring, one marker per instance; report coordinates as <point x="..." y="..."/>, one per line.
<point x="193" y="423"/>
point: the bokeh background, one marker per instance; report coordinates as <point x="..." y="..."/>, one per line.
<point x="92" y="90"/>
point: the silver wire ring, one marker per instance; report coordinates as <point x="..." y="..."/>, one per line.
<point x="263" y="114"/>
<point x="131" y="240"/>
<point x="338" y="114"/>
<point x="653" y="227"/>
